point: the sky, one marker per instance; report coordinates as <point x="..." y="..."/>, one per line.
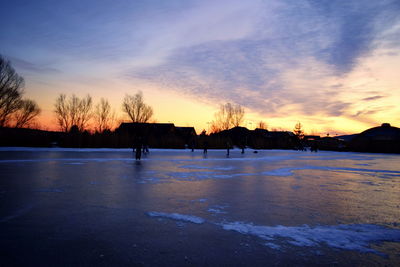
<point x="331" y="65"/>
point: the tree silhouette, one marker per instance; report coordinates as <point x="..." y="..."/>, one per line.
<point x="12" y="106"/>
<point x="73" y="111"/>
<point x="262" y="125"/>
<point x="237" y="115"/>
<point x="26" y="113"/>
<point x="226" y="117"/>
<point x="298" y="130"/>
<point x="103" y="116"/>
<point x="136" y="109"/>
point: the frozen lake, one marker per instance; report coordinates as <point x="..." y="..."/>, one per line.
<point x="177" y="207"/>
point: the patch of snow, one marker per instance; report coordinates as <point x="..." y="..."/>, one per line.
<point x="216" y="211"/>
<point x="349" y="237"/>
<point x="280" y="172"/>
<point x="272" y="245"/>
<point x="216" y="168"/>
<point x="201" y="200"/>
<point x="177" y="216"/>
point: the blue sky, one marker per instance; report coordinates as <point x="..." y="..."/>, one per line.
<point x="320" y="62"/>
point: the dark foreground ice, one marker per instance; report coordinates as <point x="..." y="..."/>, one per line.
<point x="99" y="207"/>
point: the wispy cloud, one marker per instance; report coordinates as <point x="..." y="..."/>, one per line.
<point x="372" y="98"/>
<point x="26" y="66"/>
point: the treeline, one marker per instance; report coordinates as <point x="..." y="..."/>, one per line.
<point x="173" y="137"/>
<point x="79" y="115"/>
<point x="24" y="137"/>
<point x="72" y="113"/>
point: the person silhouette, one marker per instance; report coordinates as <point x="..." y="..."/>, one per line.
<point x="138" y="147"/>
<point x="192" y="144"/>
<point x="228" y="146"/>
<point x="205" y="147"/>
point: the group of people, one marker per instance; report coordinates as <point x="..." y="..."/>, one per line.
<point x="141" y="147"/>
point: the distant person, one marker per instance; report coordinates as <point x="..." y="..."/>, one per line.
<point x="314" y="147"/>
<point x="228" y="146"/>
<point x="192" y="144"/>
<point x="145" y="148"/>
<point x="205" y="147"/>
<point x="138" y="147"/>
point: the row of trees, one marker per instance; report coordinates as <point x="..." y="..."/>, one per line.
<point x="231" y="115"/>
<point x="15" y="111"/>
<point x="78" y="112"/>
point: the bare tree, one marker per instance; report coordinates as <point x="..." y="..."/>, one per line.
<point x="11" y="85"/>
<point x="298" y="130"/>
<point x="215" y="128"/>
<point x="14" y="109"/>
<point x="136" y="109"/>
<point x="73" y="111"/>
<point x="61" y="109"/>
<point x="237" y="115"/>
<point x="103" y="116"/>
<point x="227" y="116"/>
<point x="26" y="113"/>
<point x="84" y="112"/>
<point x="262" y="125"/>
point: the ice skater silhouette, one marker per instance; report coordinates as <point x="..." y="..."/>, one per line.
<point x="138" y="147"/>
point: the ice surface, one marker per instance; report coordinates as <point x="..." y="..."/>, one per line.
<point x="17" y="213"/>
<point x="177" y="216"/>
<point x="50" y="190"/>
<point x="325" y="201"/>
<point x="350" y="237"/>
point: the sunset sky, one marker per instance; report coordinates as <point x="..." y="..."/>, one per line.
<point x="332" y="65"/>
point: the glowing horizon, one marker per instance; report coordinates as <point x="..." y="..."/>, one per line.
<point x="331" y="66"/>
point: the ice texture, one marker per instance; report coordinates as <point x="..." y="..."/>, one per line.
<point x="177" y="216"/>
